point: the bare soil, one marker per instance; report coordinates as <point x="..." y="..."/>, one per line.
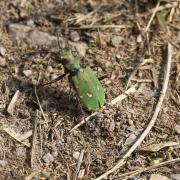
<point x="117" y="51"/>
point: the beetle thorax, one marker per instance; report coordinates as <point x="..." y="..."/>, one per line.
<point x="73" y="65"/>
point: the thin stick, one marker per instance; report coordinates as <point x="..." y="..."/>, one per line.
<point x="139" y="171"/>
<point x="89" y="14"/>
<point x="152" y="17"/>
<point x="33" y="144"/>
<point x="84" y="121"/>
<point x="152" y="121"/>
<point x="113" y="102"/>
<point x="80" y="160"/>
<point x="166" y="6"/>
<point x="35" y="90"/>
<point x="102" y="26"/>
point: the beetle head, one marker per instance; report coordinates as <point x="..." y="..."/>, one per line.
<point x="71" y="63"/>
<point x="65" y="54"/>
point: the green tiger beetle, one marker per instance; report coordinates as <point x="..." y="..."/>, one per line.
<point x="85" y="82"/>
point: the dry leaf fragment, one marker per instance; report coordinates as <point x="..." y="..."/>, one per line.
<point x="12" y="104"/>
<point x="81" y="173"/>
<point x="22" y="138"/>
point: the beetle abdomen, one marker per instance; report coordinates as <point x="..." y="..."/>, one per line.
<point x="89" y="89"/>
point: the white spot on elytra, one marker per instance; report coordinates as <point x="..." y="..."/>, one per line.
<point x="89" y="95"/>
<point x="98" y="88"/>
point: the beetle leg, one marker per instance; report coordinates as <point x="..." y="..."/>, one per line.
<point x="80" y="105"/>
<point x="70" y="88"/>
<point x="55" y="80"/>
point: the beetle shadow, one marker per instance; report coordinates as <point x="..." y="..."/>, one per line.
<point x="52" y="99"/>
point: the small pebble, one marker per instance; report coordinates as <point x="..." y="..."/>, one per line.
<point x="177" y="128"/>
<point x="130" y="122"/>
<point x="116" y="40"/>
<point x="3" y="163"/>
<point x="139" y="39"/>
<point x="48" y="158"/>
<point x="100" y="115"/>
<point x="2" y="51"/>
<point x="130" y="139"/>
<point x="30" y="22"/>
<point x="118" y="56"/>
<point x="108" y="63"/>
<point x="74" y="35"/>
<point x="131" y="128"/>
<point x="55" y="153"/>
<point x="46" y="174"/>
<point x="46" y="75"/>
<point x="21" y="151"/>
<point x="53" y="76"/>
<point x="49" y="69"/>
<point x="118" y="124"/>
<point x="175" y="176"/>
<point x="27" y="73"/>
<point x="108" y="82"/>
<point x="76" y="155"/>
<point x="2" y="61"/>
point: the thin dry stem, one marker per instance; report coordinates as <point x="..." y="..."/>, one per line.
<point x="152" y="121"/>
<point x="152" y="17"/>
<point x="113" y="102"/>
<point x="102" y="26"/>
<point x="35" y="90"/>
<point x="139" y="171"/>
<point x="89" y="14"/>
<point x="33" y="144"/>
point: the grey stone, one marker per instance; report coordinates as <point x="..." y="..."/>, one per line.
<point x="130" y="139"/>
<point x="74" y="36"/>
<point x="177" y="128"/>
<point x="116" y="40"/>
<point x="2" y="51"/>
<point x="27" y="73"/>
<point x="175" y="176"/>
<point x="35" y="37"/>
<point x="48" y="158"/>
<point x="2" y="61"/>
<point x="3" y="163"/>
<point x="30" y="22"/>
<point x="49" y="69"/>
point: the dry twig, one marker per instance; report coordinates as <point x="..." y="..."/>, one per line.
<point x="33" y="143"/>
<point x="152" y="17"/>
<point x="102" y="26"/>
<point x="113" y="102"/>
<point x="139" y="171"/>
<point x="89" y="14"/>
<point x="152" y="121"/>
<point x="80" y="159"/>
<point x="35" y="90"/>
